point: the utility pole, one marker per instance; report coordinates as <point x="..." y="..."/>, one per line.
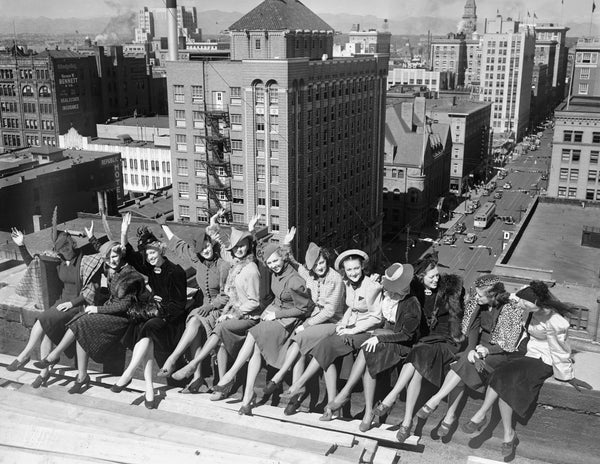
<point x="407" y="243"/>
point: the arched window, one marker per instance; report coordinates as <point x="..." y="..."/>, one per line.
<point x="259" y="92"/>
<point x="273" y="91"/>
<point x="396" y="192"/>
<point x="27" y="91"/>
<point x="44" y="91"/>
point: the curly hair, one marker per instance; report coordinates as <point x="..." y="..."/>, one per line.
<point x="496" y="293"/>
<point x="424" y="265"/>
<point x="539" y="294"/>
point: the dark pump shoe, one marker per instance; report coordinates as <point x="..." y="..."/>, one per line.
<point x="44" y="363"/>
<point x="119" y="388"/>
<point x="509" y="448"/>
<point x="40" y="381"/>
<point x="80" y="385"/>
<point x="293" y="405"/>
<point x="16" y="364"/>
<point x="271" y="387"/>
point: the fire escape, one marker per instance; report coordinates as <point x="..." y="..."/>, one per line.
<point x="217" y="161"/>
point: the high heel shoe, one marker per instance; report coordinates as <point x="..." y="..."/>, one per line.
<point x="119" y="388"/>
<point x="185" y="372"/>
<point x="509" y="448"/>
<point x="194" y="386"/>
<point x="473" y="427"/>
<point x="246" y="409"/>
<point x="335" y="405"/>
<point x="329" y="414"/>
<point x="16" y="364"/>
<point x="40" y="381"/>
<point x="149" y="404"/>
<point x="403" y="432"/>
<point x="226" y="389"/>
<point x="293" y="405"/>
<point x="425" y="412"/>
<point x="367" y="422"/>
<point x="45" y="363"/>
<point x="382" y="409"/>
<point x="271" y="387"/>
<point x="80" y="385"/>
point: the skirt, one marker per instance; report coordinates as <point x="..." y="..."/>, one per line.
<point x="99" y="334"/>
<point x="272" y="340"/>
<point x="335" y="346"/>
<point x="519" y="381"/>
<point x="54" y="323"/>
<point x="208" y="322"/>
<point x="385" y="356"/>
<point x="312" y="335"/>
<point x="164" y="334"/>
<point x="232" y="333"/>
<point x="432" y="360"/>
<point x="470" y="376"/>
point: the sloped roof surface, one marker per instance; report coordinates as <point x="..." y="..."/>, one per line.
<point x="280" y="15"/>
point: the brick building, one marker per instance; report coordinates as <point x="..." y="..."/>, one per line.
<point x="282" y="129"/>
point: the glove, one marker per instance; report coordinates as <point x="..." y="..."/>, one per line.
<point x="480" y="365"/>
<point x="579" y="384"/>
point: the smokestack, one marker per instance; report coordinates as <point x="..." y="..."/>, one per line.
<point x="172" y="28"/>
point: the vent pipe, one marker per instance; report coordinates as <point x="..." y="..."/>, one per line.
<point x="172" y="29"/>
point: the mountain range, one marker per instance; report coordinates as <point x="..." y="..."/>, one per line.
<point x="120" y="28"/>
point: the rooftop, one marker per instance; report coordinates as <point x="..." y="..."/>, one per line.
<point x="280" y="15"/>
<point x="557" y="227"/>
<point x="133" y="143"/>
<point x="579" y="104"/>
<point x="143" y="121"/>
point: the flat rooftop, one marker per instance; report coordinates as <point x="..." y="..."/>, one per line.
<point x="552" y="241"/>
<point x="133" y="143"/>
<point x="580" y="104"/>
<point x="143" y="121"/>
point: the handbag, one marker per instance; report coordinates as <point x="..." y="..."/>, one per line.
<point x="142" y="311"/>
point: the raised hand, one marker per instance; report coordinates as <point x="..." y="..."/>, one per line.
<point x="89" y="232"/>
<point x="17" y="236"/>
<point x="253" y="221"/>
<point x="125" y="227"/>
<point x="291" y="233"/>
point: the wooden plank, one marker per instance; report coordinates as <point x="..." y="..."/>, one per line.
<point x="152" y="428"/>
<point x="9" y="454"/>
<point x="478" y="460"/>
<point x="385" y="455"/>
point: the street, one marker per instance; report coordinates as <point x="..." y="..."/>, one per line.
<point x="524" y="173"/>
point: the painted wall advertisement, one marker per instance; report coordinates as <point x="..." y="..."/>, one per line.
<point x="68" y="87"/>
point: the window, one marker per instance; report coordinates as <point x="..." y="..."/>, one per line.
<point x="180" y="142"/>
<point x="178" y="95"/>
<point x="260" y="172"/>
<point x="199" y="145"/>
<point x="202" y="215"/>
<point x="274" y="223"/>
<point x="577" y="136"/>
<point x="562" y="191"/>
<point x="197" y="95"/>
<point x="583" y="90"/>
<point x="566" y="154"/>
<point x="596" y="137"/>
<point x="273" y="95"/>
<point x="574" y="174"/>
<point x="275" y="174"/>
<point x="584" y="73"/>
<point x="567" y="136"/>
<point x="261" y="201"/>
<point x="259" y="95"/>
<point x="237" y="170"/>
<point x="236" y="92"/>
<point x="27" y="91"/>
<point x="182" y="167"/>
<point x="594" y="157"/>
<point x="400" y="174"/>
<point x="184" y="213"/>
<point x="274" y="124"/>
<point x="257" y="44"/>
<point x="238" y="196"/>
<point x="274" y="148"/>
<point x="260" y="123"/>
<point x="589" y="194"/>
<point x="183" y="189"/>
<point x="198" y="119"/>
<point x="199" y="170"/>
<point x="564" y="173"/>
<point x="572" y="192"/>
<point x="592" y="176"/>
<point x="260" y="145"/>
<point x="238" y="218"/>
<point x="275" y="198"/>
<point x="179" y="118"/>
<point x="236" y="122"/>
<point x="236" y="144"/>
<point x="44" y="91"/>
<point x="575" y="155"/>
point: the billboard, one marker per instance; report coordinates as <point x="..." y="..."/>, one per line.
<point x="67" y="87"/>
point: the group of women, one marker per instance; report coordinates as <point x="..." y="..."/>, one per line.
<point x="258" y="303"/>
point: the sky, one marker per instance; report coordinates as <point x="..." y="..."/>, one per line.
<point x="546" y="10"/>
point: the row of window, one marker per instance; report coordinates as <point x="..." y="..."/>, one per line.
<point x="14" y="140"/>
<point x="145" y="181"/>
<point x="395" y="173"/>
<point x="577" y="136"/>
<point x="143" y="164"/>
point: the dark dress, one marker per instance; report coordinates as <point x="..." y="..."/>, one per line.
<point x="99" y="333"/>
<point x="169" y="283"/>
<point x="395" y="339"/>
<point x="432" y="355"/>
<point x="52" y="320"/>
<point x="292" y="303"/>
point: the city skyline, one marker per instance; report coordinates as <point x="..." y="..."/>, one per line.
<point x="572" y="11"/>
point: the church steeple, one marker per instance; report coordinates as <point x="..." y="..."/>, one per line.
<point x="469" y="19"/>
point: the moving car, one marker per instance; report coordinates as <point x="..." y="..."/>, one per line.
<point x="544" y="176"/>
<point x="460" y="227"/>
<point x="507" y="186"/>
<point x="470" y="238"/>
<point x="498" y="195"/>
<point x="509" y="221"/>
<point x="492" y="185"/>
<point x="449" y="239"/>
<point x="485" y="192"/>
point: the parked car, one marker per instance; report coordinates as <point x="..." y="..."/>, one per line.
<point x="449" y="239"/>
<point x="485" y="192"/>
<point x="498" y="195"/>
<point x="544" y="176"/>
<point x="475" y="203"/>
<point x="492" y="185"/>
<point x="509" y="221"/>
<point x="460" y="227"/>
<point x="470" y="238"/>
<point x="507" y="186"/>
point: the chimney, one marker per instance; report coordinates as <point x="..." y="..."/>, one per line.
<point x="37" y="222"/>
<point x="172" y="29"/>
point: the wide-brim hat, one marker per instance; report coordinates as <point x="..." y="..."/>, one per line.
<point x="397" y="277"/>
<point x="269" y="249"/>
<point x="146" y="239"/>
<point x="353" y="252"/>
<point x="312" y="255"/>
<point x="236" y="237"/>
<point x="199" y="241"/>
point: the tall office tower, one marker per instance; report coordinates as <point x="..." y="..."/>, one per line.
<point x="575" y="169"/>
<point x="449" y="54"/>
<point x="505" y="74"/>
<point x="469" y="18"/>
<point x="550" y="49"/>
<point x="152" y="24"/>
<point x="282" y="129"/>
